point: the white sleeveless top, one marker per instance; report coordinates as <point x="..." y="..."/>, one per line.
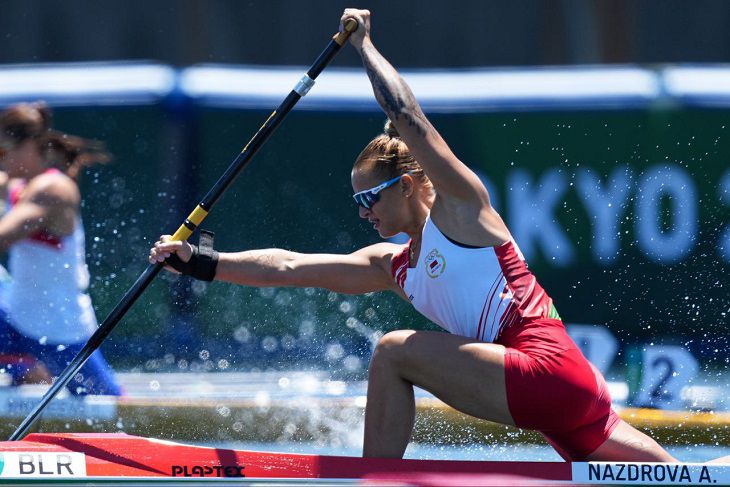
<point x="472" y="292"/>
<point x="47" y="298"/>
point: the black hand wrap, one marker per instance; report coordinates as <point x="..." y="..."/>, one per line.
<point x="202" y="264"/>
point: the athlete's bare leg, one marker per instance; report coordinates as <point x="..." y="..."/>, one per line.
<point x="627" y="444"/>
<point x="466" y="374"/>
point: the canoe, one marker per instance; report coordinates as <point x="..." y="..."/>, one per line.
<point x="104" y="458"/>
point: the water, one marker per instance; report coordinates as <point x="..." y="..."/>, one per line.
<point x="532" y="453"/>
<point x="322" y="430"/>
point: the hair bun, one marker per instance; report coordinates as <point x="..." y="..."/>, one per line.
<point x="390" y="130"/>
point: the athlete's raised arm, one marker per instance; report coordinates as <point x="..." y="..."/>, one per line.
<point x="365" y="270"/>
<point x="450" y="177"/>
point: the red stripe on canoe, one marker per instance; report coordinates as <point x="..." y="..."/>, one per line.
<point x="118" y="454"/>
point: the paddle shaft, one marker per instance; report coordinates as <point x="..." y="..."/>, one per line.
<point x="189" y="225"/>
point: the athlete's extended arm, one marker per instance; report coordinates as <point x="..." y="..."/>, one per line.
<point x="363" y="271"/>
<point x="356" y="273"/>
<point x="447" y="173"/>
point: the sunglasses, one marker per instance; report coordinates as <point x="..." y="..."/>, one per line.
<point x="369" y="197"/>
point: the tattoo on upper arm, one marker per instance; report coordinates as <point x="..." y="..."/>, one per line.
<point x="393" y="93"/>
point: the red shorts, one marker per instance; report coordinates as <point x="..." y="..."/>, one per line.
<point x="552" y="388"/>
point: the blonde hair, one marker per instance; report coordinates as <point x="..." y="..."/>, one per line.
<point x="390" y="157"/>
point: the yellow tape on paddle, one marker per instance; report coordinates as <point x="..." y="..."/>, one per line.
<point x="196" y="218"/>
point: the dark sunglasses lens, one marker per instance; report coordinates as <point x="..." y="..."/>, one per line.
<point x="367" y="200"/>
<point x="361" y="201"/>
<point x="371" y="199"/>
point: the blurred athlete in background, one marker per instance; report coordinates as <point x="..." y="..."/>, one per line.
<point x="48" y="315"/>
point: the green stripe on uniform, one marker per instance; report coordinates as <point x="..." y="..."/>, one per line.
<point x="553" y="313"/>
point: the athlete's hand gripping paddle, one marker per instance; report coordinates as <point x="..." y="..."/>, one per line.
<point x="191" y="222"/>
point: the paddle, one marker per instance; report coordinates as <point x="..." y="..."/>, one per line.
<point x="190" y="223"/>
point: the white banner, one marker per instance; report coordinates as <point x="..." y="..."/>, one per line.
<point x="42" y="464"/>
<point x="651" y="473"/>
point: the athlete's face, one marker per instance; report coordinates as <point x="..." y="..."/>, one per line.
<point x="385" y="214"/>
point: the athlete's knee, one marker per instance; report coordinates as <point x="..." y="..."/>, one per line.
<point x="394" y="341"/>
<point x="391" y="348"/>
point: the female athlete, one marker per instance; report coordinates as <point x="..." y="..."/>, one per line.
<point x="49" y="315"/>
<point x="507" y="358"/>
